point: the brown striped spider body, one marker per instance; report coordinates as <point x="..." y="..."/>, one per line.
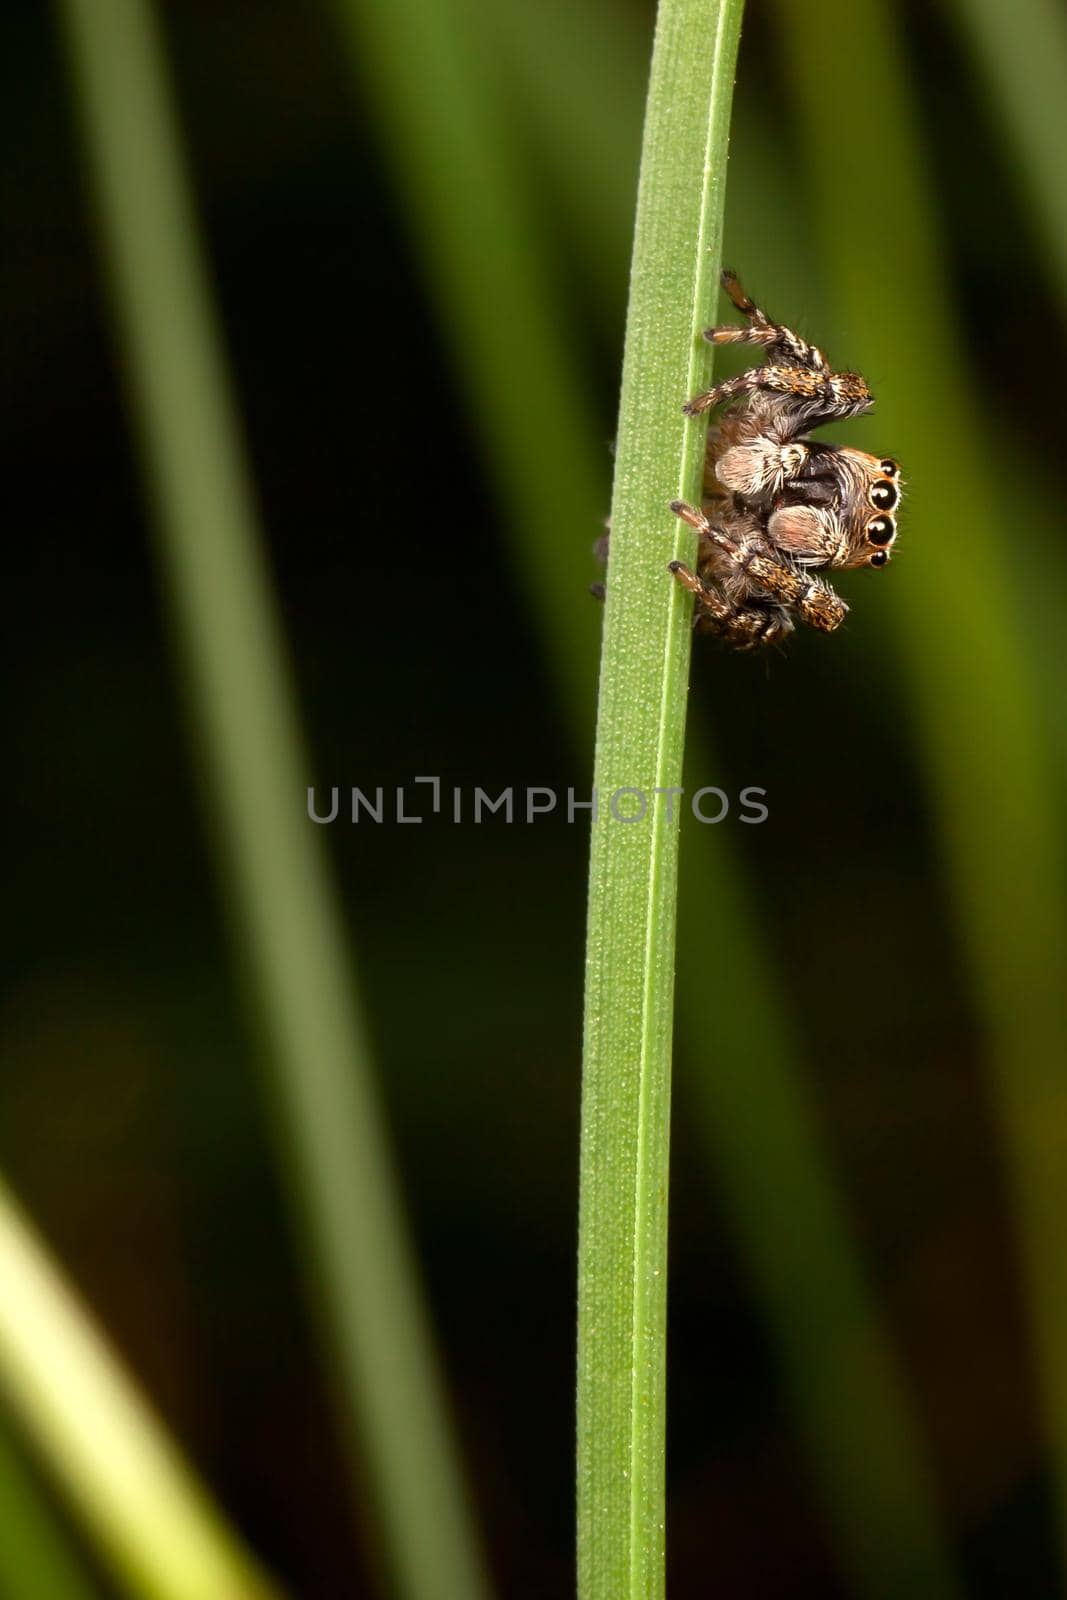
<point x="778" y="506"/>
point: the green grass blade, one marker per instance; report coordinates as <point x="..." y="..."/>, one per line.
<point x="343" y="1187"/>
<point x="36" y="1560"/>
<point x="961" y="628"/>
<point x="622" y="1253"/>
<point x="137" y="1497"/>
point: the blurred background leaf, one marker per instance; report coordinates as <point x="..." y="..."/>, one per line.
<point x="142" y="1507"/>
<point x="37" y="1558"/>
<point x="972" y="676"/>
<point x="288" y="930"/>
<point x="1021" y="52"/>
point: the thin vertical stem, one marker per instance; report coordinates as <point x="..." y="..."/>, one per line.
<point x="633" y="871"/>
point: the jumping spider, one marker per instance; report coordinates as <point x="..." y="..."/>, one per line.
<point x="777" y="505"/>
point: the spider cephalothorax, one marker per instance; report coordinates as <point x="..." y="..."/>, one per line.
<point x="839" y="513"/>
<point x="777" y="504"/>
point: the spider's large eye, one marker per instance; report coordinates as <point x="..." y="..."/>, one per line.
<point x="879" y="558"/>
<point x="880" y="530"/>
<point x="889" y="467"/>
<point x="884" y="494"/>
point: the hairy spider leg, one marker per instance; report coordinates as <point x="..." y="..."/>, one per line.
<point x="814" y="602"/>
<point x="787" y="347"/>
<point x="820" y="396"/>
<point x="744" y="627"/>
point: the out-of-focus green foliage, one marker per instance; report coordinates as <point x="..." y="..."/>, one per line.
<point x="1022" y="52"/>
<point x="150" y="1518"/>
<point x="344" y="1193"/>
<point x="969" y="666"/>
<point x="449" y="151"/>
<point x="36" y="1560"/>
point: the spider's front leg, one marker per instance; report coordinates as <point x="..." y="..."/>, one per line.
<point x="743" y="627"/>
<point x="787" y="346"/>
<point x="814" y="602"/>
<point x="814" y="397"/>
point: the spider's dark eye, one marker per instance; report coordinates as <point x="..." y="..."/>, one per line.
<point x="884" y="494"/>
<point x="879" y="558"/>
<point x="880" y="530"/>
<point x="889" y="467"/>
